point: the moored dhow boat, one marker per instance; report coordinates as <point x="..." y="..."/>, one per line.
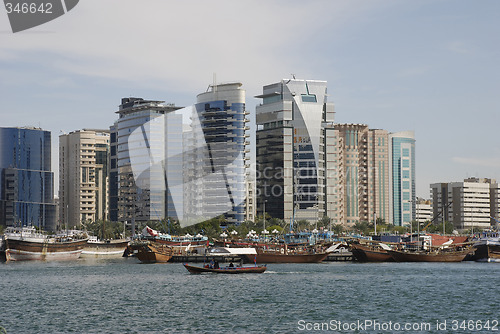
<point x="153" y="252"/>
<point x="96" y="248"/>
<point x="273" y="257"/>
<point x="282" y="254"/>
<point x="24" y="244"/>
<point x="225" y="270"/>
<point x="371" y="252"/>
<point x="167" y="239"/>
<point x="488" y="248"/>
<point x="433" y="254"/>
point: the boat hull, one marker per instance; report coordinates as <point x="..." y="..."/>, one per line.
<point x="487" y="252"/>
<point x="369" y="254"/>
<point x="268" y="257"/>
<point x="22" y="250"/>
<point x="226" y="270"/>
<point x="401" y="256"/>
<point x="154" y="253"/>
<point x="103" y="249"/>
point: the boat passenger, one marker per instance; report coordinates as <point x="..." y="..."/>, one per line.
<point x="231" y="265"/>
<point x="216" y="265"/>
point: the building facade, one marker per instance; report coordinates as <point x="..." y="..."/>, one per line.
<point x="250" y="200"/>
<point x="295" y="143"/>
<point x="468" y="204"/>
<point x="26" y="179"/>
<point x="362" y="160"/>
<point x="495" y="204"/>
<point x="402" y="177"/>
<point x="225" y="150"/>
<point x="83" y="176"/>
<point x="423" y="212"/>
<point x="146" y="161"/>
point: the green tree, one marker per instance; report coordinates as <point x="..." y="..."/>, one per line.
<point x="338" y="229"/>
<point x="324" y="222"/>
<point x="301" y="225"/>
<point x="210" y="228"/>
<point x="438" y="228"/>
<point x="363" y="227"/>
<point x="275" y="227"/>
<point x="104" y="229"/>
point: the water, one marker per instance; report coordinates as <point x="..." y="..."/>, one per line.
<point x="124" y="296"/>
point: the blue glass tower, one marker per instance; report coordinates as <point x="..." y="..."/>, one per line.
<point x="26" y="180"/>
<point x="145" y="161"/>
<point x="221" y="112"/>
<point x="402" y="160"/>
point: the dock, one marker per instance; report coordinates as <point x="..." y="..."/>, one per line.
<point x="194" y="258"/>
<point x="339" y="257"/>
<point x="205" y="258"/>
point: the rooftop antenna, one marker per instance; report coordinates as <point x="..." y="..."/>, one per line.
<point x="214" y="84"/>
<point x="293" y="75"/>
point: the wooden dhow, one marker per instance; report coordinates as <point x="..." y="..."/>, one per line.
<point x="371" y="252"/>
<point x="26" y="244"/>
<point x="284" y="254"/>
<point x="95" y="248"/>
<point x="433" y="254"/>
<point x="153" y="252"/>
<point x="225" y="270"/>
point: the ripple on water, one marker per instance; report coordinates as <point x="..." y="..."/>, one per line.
<point x="123" y="296"/>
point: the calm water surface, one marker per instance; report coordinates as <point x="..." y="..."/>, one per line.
<point x="124" y="296"/>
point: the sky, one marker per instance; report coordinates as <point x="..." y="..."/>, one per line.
<point x="431" y="67"/>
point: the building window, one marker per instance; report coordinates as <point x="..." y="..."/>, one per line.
<point x="309" y="98"/>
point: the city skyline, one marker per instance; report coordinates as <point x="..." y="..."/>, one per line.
<point x="428" y="67"/>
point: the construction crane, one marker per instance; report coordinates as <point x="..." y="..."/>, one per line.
<point x="433" y="219"/>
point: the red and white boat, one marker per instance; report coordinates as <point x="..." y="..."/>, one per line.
<point x="25" y="244"/>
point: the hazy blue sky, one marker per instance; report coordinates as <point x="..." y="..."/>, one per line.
<point x="427" y="66"/>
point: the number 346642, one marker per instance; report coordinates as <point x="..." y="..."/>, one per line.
<point x="27" y="7"/>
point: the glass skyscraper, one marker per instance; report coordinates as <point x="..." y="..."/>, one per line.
<point x="295" y="137"/>
<point x="26" y="180"/>
<point x="222" y="117"/>
<point x="402" y="186"/>
<point x="146" y="161"/>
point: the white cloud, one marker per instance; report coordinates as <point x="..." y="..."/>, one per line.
<point x="181" y="44"/>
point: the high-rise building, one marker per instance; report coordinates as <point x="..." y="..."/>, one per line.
<point x="423" y="210"/>
<point x="83" y="176"/>
<point x="250" y="199"/>
<point x="495" y="204"/>
<point x="295" y="143"/>
<point x="362" y="160"/>
<point x="402" y="177"/>
<point x="146" y="161"/>
<point x="222" y="116"/>
<point x="26" y="179"/>
<point x="467" y="204"/>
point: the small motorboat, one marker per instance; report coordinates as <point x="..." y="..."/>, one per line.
<point x="226" y="270"/>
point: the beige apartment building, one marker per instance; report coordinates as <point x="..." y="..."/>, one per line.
<point x="83" y="176"/>
<point x="363" y="174"/>
<point x="471" y="204"/>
